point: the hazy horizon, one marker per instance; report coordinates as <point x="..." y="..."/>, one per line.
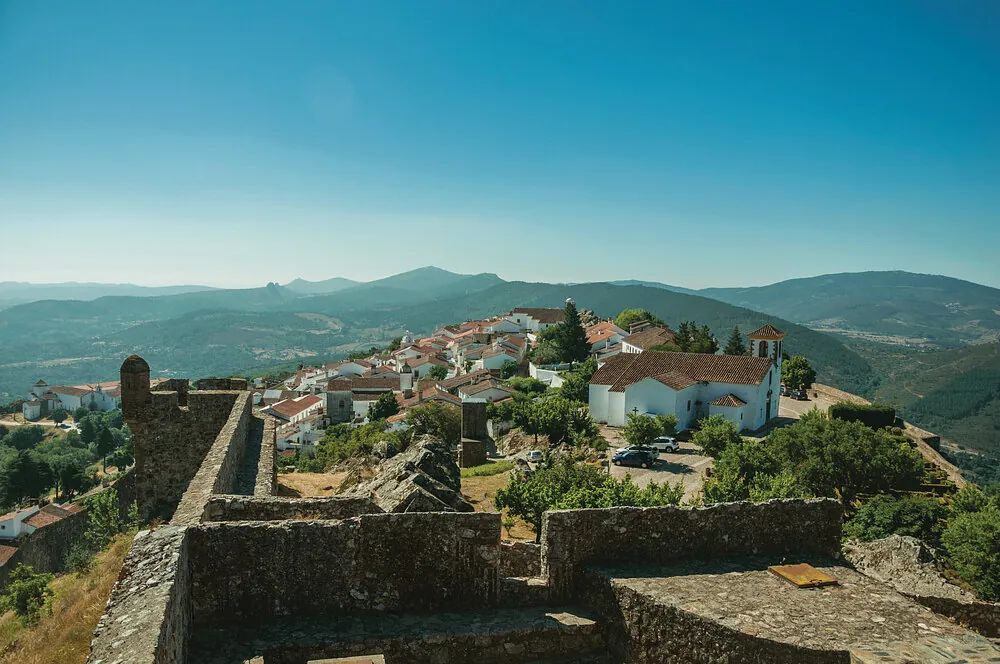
<point x="690" y="144"/>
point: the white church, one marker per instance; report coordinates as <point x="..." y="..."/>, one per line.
<point x="691" y="386"/>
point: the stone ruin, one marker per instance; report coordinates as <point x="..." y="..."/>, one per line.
<point x="398" y="568"/>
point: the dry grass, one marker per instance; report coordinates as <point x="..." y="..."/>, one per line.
<point x="63" y="637"/>
<point x="480" y="492"/>
<point x="306" y="485"/>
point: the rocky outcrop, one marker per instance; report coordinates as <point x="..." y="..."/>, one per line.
<point x="910" y="567"/>
<point x="423" y="478"/>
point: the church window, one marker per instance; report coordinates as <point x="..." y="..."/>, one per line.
<point x="762" y="349"/>
<point x="689" y="404"/>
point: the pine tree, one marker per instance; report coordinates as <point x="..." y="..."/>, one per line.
<point x="684" y="333"/>
<point x="105" y="445"/>
<point x="573" y="338"/>
<point x="735" y="345"/>
<point x="88" y="432"/>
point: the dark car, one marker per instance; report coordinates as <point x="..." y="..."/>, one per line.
<point x="633" y="458"/>
<point x="800" y="395"/>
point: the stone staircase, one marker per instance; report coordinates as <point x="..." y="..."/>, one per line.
<point x="542" y="635"/>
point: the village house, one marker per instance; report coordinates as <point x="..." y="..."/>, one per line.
<point x="535" y="319"/>
<point x="357" y="393"/>
<point x="604" y="335"/>
<point x="646" y="338"/>
<point x="495" y="358"/>
<point x="691" y="386"/>
<point x="419" y="397"/>
<point x="491" y="390"/>
<point x="46" y="399"/>
<point x="26" y="521"/>
<point x="421" y="366"/>
<point x="297" y="409"/>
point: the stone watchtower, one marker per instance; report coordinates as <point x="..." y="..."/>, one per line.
<point x="475" y="435"/>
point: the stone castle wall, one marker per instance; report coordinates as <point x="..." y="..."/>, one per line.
<point x="273" y="508"/>
<point x="425" y="561"/>
<point x="221" y="465"/>
<point x="46" y="548"/>
<point x="573" y="538"/>
<point x="267" y="467"/>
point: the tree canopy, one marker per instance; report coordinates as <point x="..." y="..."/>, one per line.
<point x="438" y="372"/>
<point x="629" y="317"/>
<point x="735" y="345"/>
<point x="797" y="373"/>
<point x="644" y="429"/>
<point x="384" y="407"/>
<point x="437" y="419"/>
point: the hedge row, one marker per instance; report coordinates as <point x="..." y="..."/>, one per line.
<point x="874" y="415"/>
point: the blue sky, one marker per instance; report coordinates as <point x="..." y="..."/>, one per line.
<point x="695" y="143"/>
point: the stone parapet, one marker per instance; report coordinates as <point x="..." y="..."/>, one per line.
<point x="272" y="508"/>
<point x="267" y="468"/>
<point x="573" y="538"/>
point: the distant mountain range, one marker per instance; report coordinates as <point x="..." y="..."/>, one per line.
<point x="19" y="292"/>
<point x="197" y="331"/>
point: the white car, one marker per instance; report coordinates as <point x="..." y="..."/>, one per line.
<point x="666" y="444"/>
<point x="533" y="455"/>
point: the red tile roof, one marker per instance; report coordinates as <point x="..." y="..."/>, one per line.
<point x="593" y="336"/>
<point x="46" y="516"/>
<point x="678" y="369"/>
<point x="548" y="316"/>
<point x="6" y="552"/>
<point x="482" y="386"/>
<point x="728" y="400"/>
<point x="292" y="407"/>
<point x="768" y="333"/>
<point x="70" y="391"/>
<point x="651" y="336"/>
<point x="345" y="383"/>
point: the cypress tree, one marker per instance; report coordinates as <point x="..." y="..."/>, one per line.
<point x="573" y="339"/>
<point x="735" y="345"/>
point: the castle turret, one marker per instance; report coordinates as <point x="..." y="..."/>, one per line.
<point x="136" y="397"/>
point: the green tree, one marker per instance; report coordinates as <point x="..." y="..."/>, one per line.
<point x="885" y="515"/>
<point x="25" y="437"/>
<point x="105" y="445"/>
<point x="88" y="430"/>
<point x="735" y="345"/>
<point x="972" y="540"/>
<point x="644" y="429"/>
<point x="436" y="419"/>
<point x="629" y="317"/>
<point x="23" y="475"/>
<point x="104" y="519"/>
<point x="68" y="462"/>
<point x="558" y="483"/>
<point x="113" y="419"/>
<point x="572" y="336"/>
<point x="527" y="385"/>
<point x="438" y="372"/>
<point x="508" y="369"/>
<point x="384" y="407"/>
<point x="575" y="388"/>
<point x="797" y="373"/>
<point x="395" y="344"/>
<point x="80" y="413"/>
<point x="58" y="416"/>
<point x="969" y="499"/>
<point x="27" y="592"/>
<point x="556" y="417"/>
<point x="714" y="434"/>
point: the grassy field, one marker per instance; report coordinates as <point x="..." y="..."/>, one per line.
<point x="480" y="490"/>
<point x="307" y="485"/>
<point x="63" y="636"/>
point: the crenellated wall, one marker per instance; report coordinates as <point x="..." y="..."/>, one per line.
<point x="273" y="508"/>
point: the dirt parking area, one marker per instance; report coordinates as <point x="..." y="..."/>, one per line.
<point x="686" y="466"/>
<point x="794" y="409"/>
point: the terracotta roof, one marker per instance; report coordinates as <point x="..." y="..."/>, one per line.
<point x="292" y="407"/>
<point x="464" y="379"/>
<point x="651" y="336"/>
<point x="70" y="391"/>
<point x="6" y="552"/>
<point x="34" y="402"/>
<point x="768" y="333"/>
<point x="493" y="352"/>
<point x="362" y="383"/>
<point x="599" y="335"/>
<point x="73" y="507"/>
<point x="46" y="516"/>
<point x="430" y="394"/>
<point x="729" y="400"/>
<point x="397" y="417"/>
<point x="482" y="386"/>
<point x="414" y="362"/>
<point x="542" y="315"/>
<point x="286" y="453"/>
<point x="672" y="369"/>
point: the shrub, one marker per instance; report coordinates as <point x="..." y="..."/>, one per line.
<point x="972" y="541"/>
<point x="886" y="515"/>
<point x="487" y="469"/>
<point x="80" y="559"/>
<point x="873" y="415"/>
<point x="27" y="592"/>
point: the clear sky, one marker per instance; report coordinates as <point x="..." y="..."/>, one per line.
<point x="696" y="143"/>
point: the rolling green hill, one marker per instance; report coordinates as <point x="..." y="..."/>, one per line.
<point x="955" y="393"/>
<point x="889" y="306"/>
<point x="186" y="335"/>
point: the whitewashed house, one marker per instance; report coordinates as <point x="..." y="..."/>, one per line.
<point x="12" y="524"/>
<point x="645" y="339"/>
<point x="297" y="409"/>
<point x="691" y="386"/>
<point x="530" y="319"/>
<point x="491" y="390"/>
<point x="495" y="358"/>
<point x="604" y="335"/>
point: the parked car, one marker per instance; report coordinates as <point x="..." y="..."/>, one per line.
<point x="800" y="395"/>
<point x="666" y="444"/>
<point x="533" y="455"/>
<point x="786" y="391"/>
<point x="633" y="458"/>
<point x="651" y="451"/>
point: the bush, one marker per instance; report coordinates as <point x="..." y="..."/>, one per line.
<point x="885" y="515"/>
<point x="103" y="518"/>
<point x="644" y="429"/>
<point x="487" y="469"/>
<point x="27" y="592"/>
<point x="876" y="416"/>
<point x="714" y="434"/>
<point x="80" y="559"/>
<point x="972" y="541"/>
